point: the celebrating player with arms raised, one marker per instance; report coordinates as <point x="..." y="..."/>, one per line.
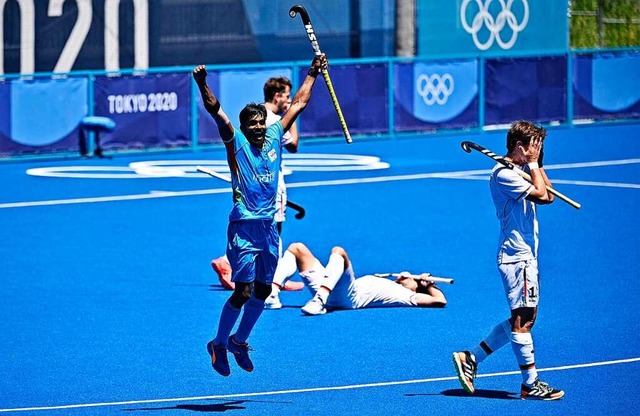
<point x="254" y="155"/>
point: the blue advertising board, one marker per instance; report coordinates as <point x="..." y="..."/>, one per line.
<point x="498" y="27"/>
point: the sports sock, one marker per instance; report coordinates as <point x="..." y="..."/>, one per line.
<point x="228" y="318"/>
<point x="286" y="268"/>
<point x="522" y="344"/>
<point x="333" y="271"/>
<point x="497" y="338"/>
<point x="252" y="311"/>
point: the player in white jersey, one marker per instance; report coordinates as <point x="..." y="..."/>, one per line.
<point x="516" y="202"/>
<point x="335" y="286"/>
<point x="277" y="99"/>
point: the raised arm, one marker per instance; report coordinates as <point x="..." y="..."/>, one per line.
<point x="212" y="105"/>
<point x="301" y="99"/>
<point x="292" y="143"/>
<point x="539" y="178"/>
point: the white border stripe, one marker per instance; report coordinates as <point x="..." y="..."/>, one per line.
<point x="315" y="389"/>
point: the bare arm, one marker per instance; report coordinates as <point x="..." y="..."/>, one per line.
<point x="539" y="179"/>
<point x="301" y="99"/>
<point x="212" y="105"/>
<point x="292" y="146"/>
<point x="434" y="298"/>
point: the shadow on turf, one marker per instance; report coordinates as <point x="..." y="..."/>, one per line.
<point x="210" y="408"/>
<point x="220" y="407"/>
<point x="486" y="394"/>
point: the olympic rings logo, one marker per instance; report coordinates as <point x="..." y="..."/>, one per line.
<point x="495" y="25"/>
<point x="435" y="88"/>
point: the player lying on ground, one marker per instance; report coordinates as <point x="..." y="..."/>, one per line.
<point x="516" y="202"/>
<point x="334" y="286"/>
<point x="254" y="153"/>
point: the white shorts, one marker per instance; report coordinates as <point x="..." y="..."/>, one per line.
<point x="520" y="281"/>
<point x="281" y="200"/>
<point x="341" y="296"/>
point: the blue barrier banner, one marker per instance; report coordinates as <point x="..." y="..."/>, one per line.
<point x="498" y="26"/>
<point x="149" y="111"/>
<point x="207" y="128"/>
<point x="42" y="115"/>
<point x="5" y="120"/>
<point x="526" y="88"/>
<point x="428" y="96"/>
<point x="362" y="94"/>
<point x="234" y="89"/>
<point x="606" y="86"/>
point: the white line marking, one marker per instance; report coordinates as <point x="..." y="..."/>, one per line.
<point x="314" y="389"/>
<point x="467" y="174"/>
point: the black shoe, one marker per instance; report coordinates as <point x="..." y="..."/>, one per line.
<point x="219" y="360"/>
<point x="540" y="391"/>
<point x="240" y="353"/>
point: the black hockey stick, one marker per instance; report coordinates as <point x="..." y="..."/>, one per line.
<point x="293" y="12"/>
<point x="467" y="146"/>
<point x="300" y="211"/>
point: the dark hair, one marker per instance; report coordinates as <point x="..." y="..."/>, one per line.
<point x="275" y="85"/>
<point x="523" y="131"/>
<point x="251" y="110"/>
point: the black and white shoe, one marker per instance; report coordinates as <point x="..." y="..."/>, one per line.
<point x="540" y="391"/>
<point x="466" y="368"/>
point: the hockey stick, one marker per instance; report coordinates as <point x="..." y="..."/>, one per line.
<point x="300" y="210"/>
<point x="424" y="276"/>
<point x="467" y="146"/>
<point x="316" y="49"/>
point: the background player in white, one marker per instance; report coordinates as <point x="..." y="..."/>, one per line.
<point x="334" y="286"/>
<point x="277" y="99"/>
<point x="515" y="201"/>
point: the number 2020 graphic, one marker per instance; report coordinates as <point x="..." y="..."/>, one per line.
<point x="78" y="34"/>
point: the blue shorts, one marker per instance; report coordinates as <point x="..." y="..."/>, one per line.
<point x="252" y="250"/>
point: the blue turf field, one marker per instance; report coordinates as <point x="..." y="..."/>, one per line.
<point x="109" y="298"/>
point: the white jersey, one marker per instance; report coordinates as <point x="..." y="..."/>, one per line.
<point x="281" y="198"/>
<point x="373" y="292"/>
<point x="518" y="239"/>
<point x="364" y="292"/>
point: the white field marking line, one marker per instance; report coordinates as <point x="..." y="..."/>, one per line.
<point x="564" y="182"/>
<point x="441" y="175"/>
<point x="315" y="389"/>
<point x="167" y="194"/>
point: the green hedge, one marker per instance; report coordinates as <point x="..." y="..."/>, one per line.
<point x="584" y="28"/>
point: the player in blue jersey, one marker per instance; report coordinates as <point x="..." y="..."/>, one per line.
<point x="516" y="202"/>
<point x="254" y="154"/>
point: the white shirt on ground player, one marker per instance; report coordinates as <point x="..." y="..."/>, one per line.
<point x="281" y="197"/>
<point x="518" y="239"/>
<point x="364" y="292"/>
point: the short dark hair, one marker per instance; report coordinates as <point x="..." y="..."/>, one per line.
<point x="251" y="110"/>
<point x="275" y="85"/>
<point x="523" y="131"/>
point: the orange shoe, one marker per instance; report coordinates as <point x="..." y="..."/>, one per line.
<point x="223" y="269"/>
<point x="293" y="286"/>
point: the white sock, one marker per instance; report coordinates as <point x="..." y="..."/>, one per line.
<point x="522" y="344"/>
<point x="333" y="271"/>
<point x="287" y="266"/>
<point x="497" y="338"/>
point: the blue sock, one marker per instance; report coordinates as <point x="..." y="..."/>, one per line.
<point x="228" y="318"/>
<point x="252" y="311"/>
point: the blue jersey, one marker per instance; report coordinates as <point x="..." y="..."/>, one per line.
<point x="255" y="183"/>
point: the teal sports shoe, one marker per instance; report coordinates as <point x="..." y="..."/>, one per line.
<point x="240" y="351"/>
<point x="219" y="360"/>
